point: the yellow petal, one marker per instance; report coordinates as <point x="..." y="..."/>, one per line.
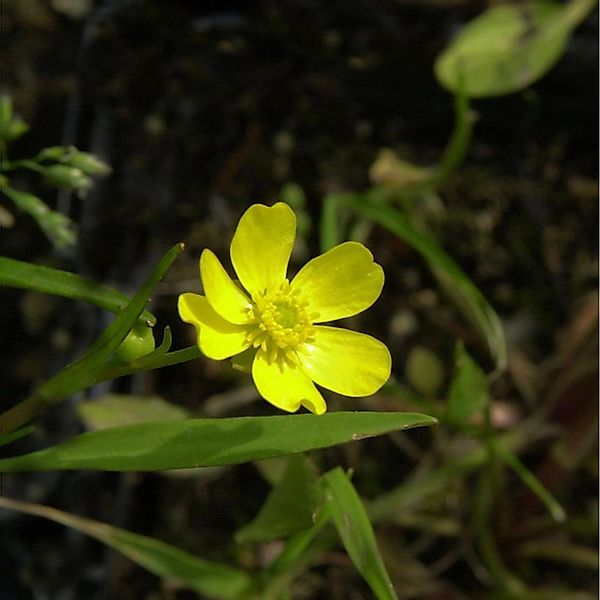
<point x="346" y="362"/>
<point x="222" y="293"/>
<point x="285" y="386"/>
<point x="261" y="246"/>
<point x="340" y="283"/>
<point x="217" y="338"/>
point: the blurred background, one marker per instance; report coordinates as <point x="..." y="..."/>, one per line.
<point x="203" y="108"/>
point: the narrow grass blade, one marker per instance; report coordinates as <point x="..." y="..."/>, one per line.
<point x="37" y="278"/>
<point x="356" y="532"/>
<point x="215" y="580"/>
<point x="532" y="482"/>
<point x="468" y="298"/>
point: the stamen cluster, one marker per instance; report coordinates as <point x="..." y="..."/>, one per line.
<point x="282" y="322"/>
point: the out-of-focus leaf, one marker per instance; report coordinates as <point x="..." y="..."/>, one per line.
<point x="389" y="169"/>
<point x="356" y="532"/>
<point x="290" y="507"/>
<point x="509" y="47"/>
<point x="532" y="482"/>
<point x="116" y="410"/>
<point x="468" y="298"/>
<point x="468" y="390"/>
<point x="424" y="371"/>
<point x="329" y="227"/>
<point x="27" y="276"/>
<point x="292" y="194"/>
<point x="16" y="435"/>
<point x="215" y="580"/>
<point x="210" y="442"/>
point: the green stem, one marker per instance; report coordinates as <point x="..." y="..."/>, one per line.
<point x="19" y="415"/>
<point x="487" y="492"/>
<point x="92" y="365"/>
<point x="24" y="163"/>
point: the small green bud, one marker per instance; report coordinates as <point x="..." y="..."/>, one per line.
<point x="53" y="153"/>
<point x="67" y="176"/>
<point x="138" y="342"/>
<point x="88" y="163"/>
<point x="11" y="127"/>
<point x="60" y="229"/>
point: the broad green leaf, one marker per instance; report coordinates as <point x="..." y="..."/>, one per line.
<point x="468" y="298"/>
<point x="468" y="390"/>
<point x="509" y="47"/>
<point x="290" y="507"/>
<point x="37" y="278"/>
<point x="115" y="410"/>
<point x="210" y="442"/>
<point x="213" y="579"/>
<point x="356" y="532"/>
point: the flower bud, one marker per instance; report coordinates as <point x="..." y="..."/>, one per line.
<point x="67" y="176"/>
<point x="138" y="342"/>
<point x="88" y="163"/>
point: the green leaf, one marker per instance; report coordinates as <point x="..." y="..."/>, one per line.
<point x="464" y="292"/>
<point x="424" y="371"/>
<point x="27" y="276"/>
<point x="532" y="482"/>
<point x="389" y="169"/>
<point x="468" y="390"/>
<point x="116" y="410"/>
<point x="205" y="577"/>
<point x="96" y="362"/>
<point x="329" y="229"/>
<point x="210" y="442"/>
<point x="16" y="435"/>
<point x="356" y="532"/>
<point x="509" y="47"/>
<point x="290" y="507"/>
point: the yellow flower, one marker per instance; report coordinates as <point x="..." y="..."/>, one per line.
<point x="281" y="319"/>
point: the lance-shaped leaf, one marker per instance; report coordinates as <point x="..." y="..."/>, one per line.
<point x="356" y="532"/>
<point x="290" y="507"/>
<point x="210" y="442"/>
<point x="37" y="278"/>
<point x="452" y="278"/>
<point x="215" y="580"/>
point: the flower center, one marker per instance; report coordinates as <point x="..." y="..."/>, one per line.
<point x="280" y="323"/>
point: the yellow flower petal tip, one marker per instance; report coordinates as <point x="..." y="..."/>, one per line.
<point x="279" y="322"/>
